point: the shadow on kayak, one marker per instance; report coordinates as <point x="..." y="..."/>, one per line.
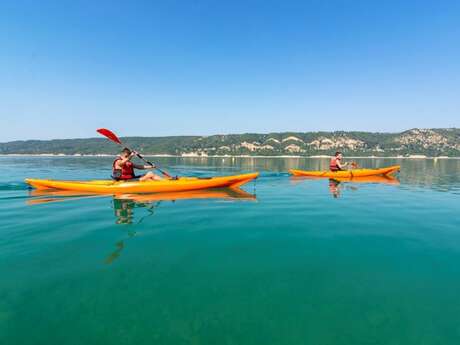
<point x="337" y="185"/>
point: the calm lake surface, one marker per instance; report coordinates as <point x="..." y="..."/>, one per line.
<point x="301" y="262"/>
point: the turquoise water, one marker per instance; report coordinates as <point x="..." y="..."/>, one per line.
<point x="302" y="262"/>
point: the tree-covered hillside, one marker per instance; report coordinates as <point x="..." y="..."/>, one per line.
<point x="429" y="142"/>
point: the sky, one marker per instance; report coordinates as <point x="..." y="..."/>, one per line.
<point x="159" y="68"/>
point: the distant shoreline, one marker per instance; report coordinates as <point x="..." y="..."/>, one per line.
<point x="413" y="157"/>
<point x="415" y="143"/>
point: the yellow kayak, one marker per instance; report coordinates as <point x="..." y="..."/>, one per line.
<point x="181" y="184"/>
<point x="348" y="173"/>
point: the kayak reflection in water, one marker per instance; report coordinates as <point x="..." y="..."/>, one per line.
<point x="337" y="165"/>
<point x="123" y="168"/>
<point x="125" y="205"/>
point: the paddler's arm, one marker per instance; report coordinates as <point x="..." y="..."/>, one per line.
<point x="121" y="161"/>
<point x="342" y="166"/>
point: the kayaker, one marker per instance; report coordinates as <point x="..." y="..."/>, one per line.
<point x="123" y="168"/>
<point x="336" y="162"/>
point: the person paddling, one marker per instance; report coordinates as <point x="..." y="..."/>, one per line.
<point x="336" y="162"/>
<point x="123" y="168"/>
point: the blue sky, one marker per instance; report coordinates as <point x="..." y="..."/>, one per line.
<point x="214" y="67"/>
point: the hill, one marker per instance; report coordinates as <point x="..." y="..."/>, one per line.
<point x="429" y="142"/>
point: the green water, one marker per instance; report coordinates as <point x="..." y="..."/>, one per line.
<point x="306" y="262"/>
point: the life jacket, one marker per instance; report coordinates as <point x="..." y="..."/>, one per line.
<point x="125" y="173"/>
<point x="334" y="164"/>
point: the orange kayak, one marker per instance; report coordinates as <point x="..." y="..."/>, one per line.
<point x="348" y="173"/>
<point x="182" y="184"/>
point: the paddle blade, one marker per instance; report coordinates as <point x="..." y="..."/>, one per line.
<point x="109" y="134"/>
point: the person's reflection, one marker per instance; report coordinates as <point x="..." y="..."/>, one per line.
<point x="124" y="214"/>
<point x="123" y="209"/>
<point x="335" y="188"/>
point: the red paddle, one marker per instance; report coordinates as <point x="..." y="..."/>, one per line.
<point x="111" y="136"/>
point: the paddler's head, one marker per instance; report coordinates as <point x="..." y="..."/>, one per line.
<point x="125" y="152"/>
<point x="338" y="155"/>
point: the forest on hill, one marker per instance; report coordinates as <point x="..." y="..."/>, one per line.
<point x="429" y="142"/>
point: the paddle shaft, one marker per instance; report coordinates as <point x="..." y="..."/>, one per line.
<point x="149" y="163"/>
